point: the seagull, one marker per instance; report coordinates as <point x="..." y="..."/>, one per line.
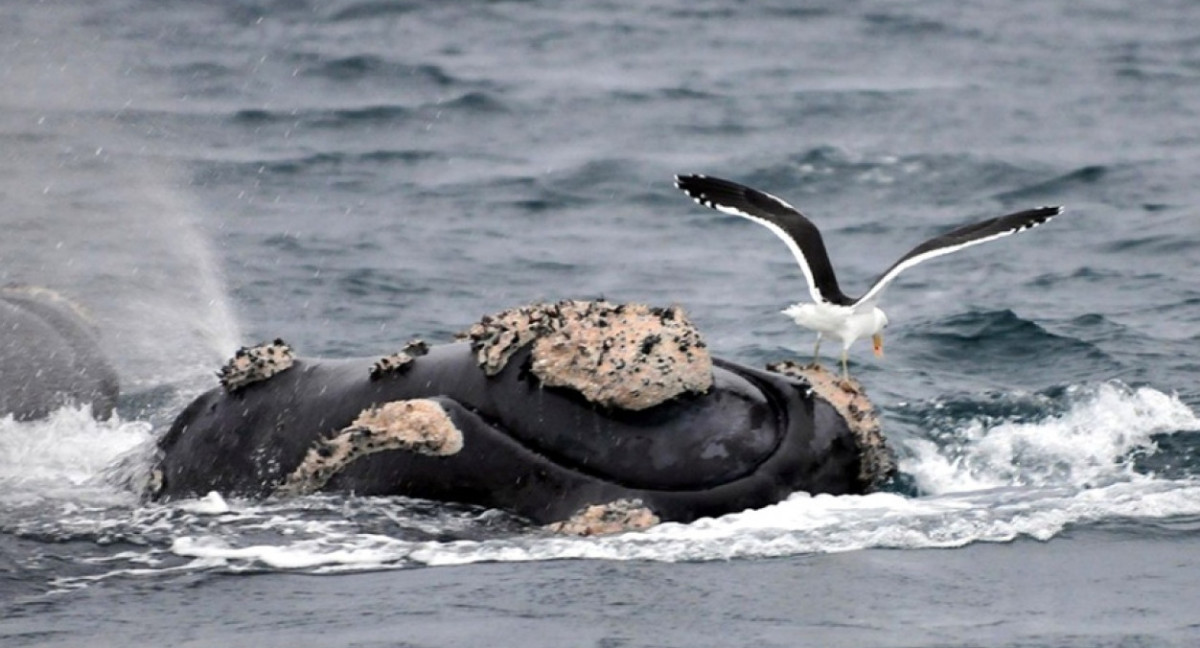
<point x="831" y="312"/>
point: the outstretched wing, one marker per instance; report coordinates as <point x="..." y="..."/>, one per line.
<point x="800" y="235"/>
<point x="963" y="237"/>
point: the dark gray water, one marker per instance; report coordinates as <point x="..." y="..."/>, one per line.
<point x="349" y="175"/>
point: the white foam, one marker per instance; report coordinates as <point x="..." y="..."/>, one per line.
<point x="61" y="456"/>
<point x="998" y="480"/>
<point x="987" y="481"/>
<point x="366" y="550"/>
<point x="210" y="504"/>
<point x="800" y="525"/>
<point x="1094" y="442"/>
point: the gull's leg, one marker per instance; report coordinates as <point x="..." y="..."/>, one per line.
<point x="845" y="364"/>
<point x="817" y="352"/>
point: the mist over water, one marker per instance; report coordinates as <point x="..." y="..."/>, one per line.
<point x="351" y="175"/>
<point x="93" y="211"/>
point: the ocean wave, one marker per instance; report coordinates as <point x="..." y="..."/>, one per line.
<point x="1097" y="329"/>
<point x="378" y="284"/>
<point x="923" y="179"/>
<point x="801" y="525"/>
<point x="898" y="24"/>
<point x="977" y="327"/>
<point x="1087" y="274"/>
<point x="1171" y="244"/>
<point x="472" y="102"/>
<point x="1004" y="341"/>
<point x="989" y="469"/>
<point x="328" y="161"/>
<point x="1177" y="456"/>
<point x="597" y="180"/>
<point x="1076" y="437"/>
<point x="336" y="117"/>
<point x="201" y="71"/>
<point x="1030" y="479"/>
<point x="604" y="181"/>
<point x="1057" y="186"/>
<point x="372" y="9"/>
<point x="359" y="67"/>
<point x="668" y="94"/>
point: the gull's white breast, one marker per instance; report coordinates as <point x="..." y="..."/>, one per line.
<point x="843" y="323"/>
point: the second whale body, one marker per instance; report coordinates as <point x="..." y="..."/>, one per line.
<point x="50" y="356"/>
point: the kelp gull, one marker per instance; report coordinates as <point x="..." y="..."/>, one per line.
<point x="832" y="313"/>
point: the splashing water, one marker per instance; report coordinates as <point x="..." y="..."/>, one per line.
<point x="985" y="479"/>
<point x="96" y="211"/>
<point x="1094" y="442"/>
<point x="64" y="457"/>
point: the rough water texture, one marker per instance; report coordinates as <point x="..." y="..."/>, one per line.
<point x="348" y="174"/>
<point x="417" y="425"/>
<point x="627" y="356"/>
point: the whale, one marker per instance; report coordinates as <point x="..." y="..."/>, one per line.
<point x="576" y="414"/>
<point x="50" y="356"/>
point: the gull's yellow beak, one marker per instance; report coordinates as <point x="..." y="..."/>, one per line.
<point x="877" y="340"/>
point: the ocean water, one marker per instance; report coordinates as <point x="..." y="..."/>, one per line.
<point x="348" y="175"/>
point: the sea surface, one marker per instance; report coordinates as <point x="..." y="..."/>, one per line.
<point x="348" y="175"/>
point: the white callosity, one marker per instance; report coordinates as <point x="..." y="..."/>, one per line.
<point x="603" y="519"/>
<point x="399" y="362"/>
<point x="627" y="356"/>
<point x="256" y="363"/>
<point x="877" y="461"/>
<point x="418" y="425"/>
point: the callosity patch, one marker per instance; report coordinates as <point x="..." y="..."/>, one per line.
<point x="847" y="396"/>
<point x="256" y="363"/>
<point x="627" y="356"/>
<point x="603" y="519"/>
<point x="399" y="362"/>
<point x="418" y="425"/>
